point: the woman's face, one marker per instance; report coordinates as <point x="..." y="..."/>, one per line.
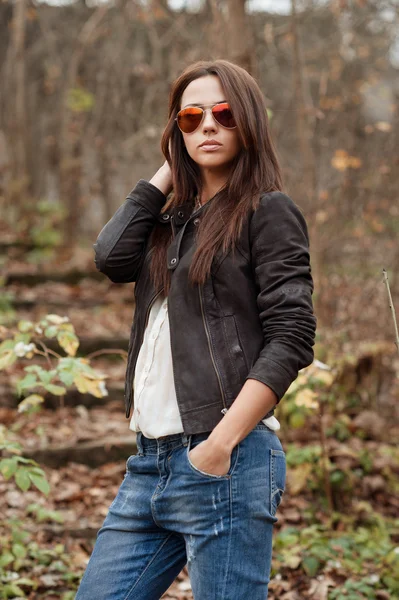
<point x="207" y="91"/>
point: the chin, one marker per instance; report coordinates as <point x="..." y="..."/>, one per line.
<point x="210" y="161"/>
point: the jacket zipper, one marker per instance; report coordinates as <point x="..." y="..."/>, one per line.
<point x="224" y="410"/>
<point x="147" y="314"/>
<point x="173" y="227"/>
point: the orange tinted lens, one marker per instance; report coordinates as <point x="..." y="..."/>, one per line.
<point x="223" y="115"/>
<point x="189" y="119"/>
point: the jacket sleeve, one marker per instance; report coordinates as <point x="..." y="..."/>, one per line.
<point x="121" y="243"/>
<point x="280" y="260"/>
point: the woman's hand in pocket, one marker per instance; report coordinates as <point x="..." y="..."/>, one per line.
<point x="206" y="459"/>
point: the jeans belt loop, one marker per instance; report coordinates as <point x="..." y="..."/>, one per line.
<point x="138" y="443"/>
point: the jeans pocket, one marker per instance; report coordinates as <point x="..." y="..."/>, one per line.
<point x="233" y="462"/>
<point x="130" y="460"/>
<point x="277" y="478"/>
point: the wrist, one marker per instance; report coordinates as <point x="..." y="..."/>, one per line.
<point x="162" y="180"/>
<point x="220" y="443"/>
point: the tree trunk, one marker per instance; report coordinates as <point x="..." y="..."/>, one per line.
<point x="71" y="128"/>
<point x="18" y="111"/>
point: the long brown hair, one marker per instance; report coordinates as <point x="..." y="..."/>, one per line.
<point x="254" y="171"/>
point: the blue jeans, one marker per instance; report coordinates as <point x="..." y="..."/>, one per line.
<point x="167" y="513"/>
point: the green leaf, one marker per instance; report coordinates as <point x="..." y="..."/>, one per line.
<point x="7" y="359"/>
<point x="6" y="558"/>
<point x="40" y="481"/>
<point x="68" y="341"/>
<point x="22" y="479"/>
<point x="13" y="447"/>
<point x="7" y="345"/>
<point x="46" y="376"/>
<point x="30" y="402"/>
<point x="37" y="471"/>
<point x="310" y="565"/>
<point x="56" y="516"/>
<point x="25" y="326"/>
<point x="33" y="369"/>
<point x="19" y="551"/>
<point x="67" y="363"/>
<point x="26" y="581"/>
<point x="11" y="590"/>
<point x="8" y="466"/>
<point x="57" y="390"/>
<point x="87" y="369"/>
<point x="66" y="377"/>
<point x="27" y="461"/>
<point x="22" y="337"/>
<point x="51" y="331"/>
<point x="28" y="382"/>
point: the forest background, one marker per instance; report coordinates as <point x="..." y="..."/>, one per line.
<point x="83" y="103"/>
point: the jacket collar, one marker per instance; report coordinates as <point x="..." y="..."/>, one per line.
<point x="181" y="214"/>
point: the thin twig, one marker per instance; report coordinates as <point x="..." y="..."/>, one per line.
<point x="107" y="351"/>
<point x="392" y="308"/>
<point x="47" y="351"/>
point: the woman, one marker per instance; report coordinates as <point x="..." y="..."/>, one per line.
<point x="222" y="324"/>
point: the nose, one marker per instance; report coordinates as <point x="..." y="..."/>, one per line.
<point x="209" y="123"/>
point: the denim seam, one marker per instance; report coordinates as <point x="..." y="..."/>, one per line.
<point x="273" y="486"/>
<point x="275" y="489"/>
<point x="230" y="535"/>
<point x="151" y="561"/>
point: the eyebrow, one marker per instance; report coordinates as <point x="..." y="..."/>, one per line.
<point x="201" y="105"/>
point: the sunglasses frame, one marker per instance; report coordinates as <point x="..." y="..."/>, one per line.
<point x="204" y="108"/>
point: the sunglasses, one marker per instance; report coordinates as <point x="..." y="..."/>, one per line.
<point x="190" y="118"/>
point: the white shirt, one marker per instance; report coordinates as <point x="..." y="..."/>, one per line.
<point x="156" y="412"/>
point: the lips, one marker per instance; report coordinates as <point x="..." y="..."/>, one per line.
<point x="210" y="143"/>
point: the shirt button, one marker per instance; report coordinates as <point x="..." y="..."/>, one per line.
<point x="196" y="221"/>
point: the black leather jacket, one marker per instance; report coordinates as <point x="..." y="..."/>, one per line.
<point x="253" y="318"/>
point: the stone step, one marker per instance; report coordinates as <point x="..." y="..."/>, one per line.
<point x="8" y="399"/>
<point x="65" y="304"/>
<point x="31" y="279"/>
<point x="92" y="453"/>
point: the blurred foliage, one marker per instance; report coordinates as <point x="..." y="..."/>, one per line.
<point x="20" y="554"/>
<point x="26" y="342"/>
<point x="366" y="549"/>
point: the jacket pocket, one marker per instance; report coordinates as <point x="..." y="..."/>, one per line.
<point x="235" y="351"/>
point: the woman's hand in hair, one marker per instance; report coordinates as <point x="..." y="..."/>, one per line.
<point x="163" y="179"/>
